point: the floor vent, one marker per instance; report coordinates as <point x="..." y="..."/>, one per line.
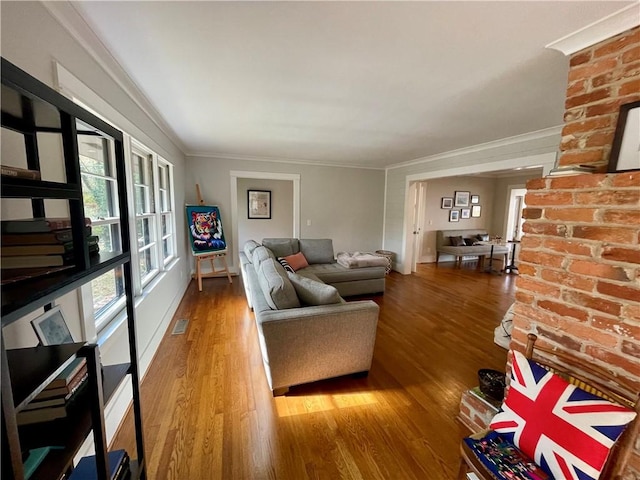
<point x="180" y="327"/>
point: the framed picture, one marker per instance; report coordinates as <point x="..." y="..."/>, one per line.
<point x="205" y="229"/>
<point x="475" y="199"/>
<point x="447" y="202"/>
<point x="465" y="213"/>
<point x="461" y="199"/>
<point x="454" y="216"/>
<point x="51" y="329"/>
<point x="475" y="210"/>
<point x="259" y="204"/>
<point x="625" y="151"/>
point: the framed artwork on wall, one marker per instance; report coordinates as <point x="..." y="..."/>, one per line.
<point x="465" y="213"/>
<point x="259" y="204"/>
<point x="454" y="216"/>
<point x="51" y="328"/>
<point x="475" y="210"/>
<point x="447" y="202"/>
<point x="625" y="151"/>
<point x="461" y="199"/>
<point x="475" y="199"/>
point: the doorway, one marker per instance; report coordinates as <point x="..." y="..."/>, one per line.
<point x="514" y="213"/>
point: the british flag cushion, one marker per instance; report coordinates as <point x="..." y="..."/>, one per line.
<point x="567" y="431"/>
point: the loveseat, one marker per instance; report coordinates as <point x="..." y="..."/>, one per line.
<point x="306" y="330"/>
<point x="466" y="244"/>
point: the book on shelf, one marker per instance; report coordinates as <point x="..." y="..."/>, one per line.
<point x="73" y="386"/>
<point x="27" y="417"/>
<point x="37" y="225"/>
<point x="69" y="373"/>
<point x="56" y="237"/>
<point x="17" y="172"/>
<point x="118" y="467"/>
<point x="44" y="249"/>
<point x="26" y="261"/>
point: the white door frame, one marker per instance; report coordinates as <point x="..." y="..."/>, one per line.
<point x="513" y="192"/>
<point x="234" y="176"/>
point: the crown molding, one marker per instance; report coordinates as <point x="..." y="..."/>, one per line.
<point x="607" y="27"/>
<point x="536" y="135"/>
<point x="249" y="158"/>
<point x="74" y="23"/>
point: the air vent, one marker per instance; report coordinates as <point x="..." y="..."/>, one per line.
<point x="180" y="327"/>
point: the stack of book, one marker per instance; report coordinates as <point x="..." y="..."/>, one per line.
<point x="17" y="172"/>
<point x="41" y="242"/>
<point x="53" y="401"/>
<point x="118" y="467"/>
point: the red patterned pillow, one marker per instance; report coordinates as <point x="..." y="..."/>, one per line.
<point x="567" y="431"/>
<point x="297" y="261"/>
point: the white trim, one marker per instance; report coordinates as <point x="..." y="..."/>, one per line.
<point x="233" y="193"/>
<point x="73" y="22"/>
<point x="250" y="158"/>
<point x="607" y="27"/>
<point x="545" y="133"/>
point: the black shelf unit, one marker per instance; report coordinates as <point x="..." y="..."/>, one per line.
<point x="29" y="108"/>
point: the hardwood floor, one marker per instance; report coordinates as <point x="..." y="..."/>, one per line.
<point x="208" y="412"/>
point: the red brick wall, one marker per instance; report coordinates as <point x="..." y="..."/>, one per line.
<point x="579" y="283"/>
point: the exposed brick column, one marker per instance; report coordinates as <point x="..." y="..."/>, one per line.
<point x="579" y="283"/>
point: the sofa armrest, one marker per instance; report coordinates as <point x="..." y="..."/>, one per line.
<point x="306" y="344"/>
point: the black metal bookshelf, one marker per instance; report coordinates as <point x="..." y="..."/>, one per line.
<point x="30" y="108"/>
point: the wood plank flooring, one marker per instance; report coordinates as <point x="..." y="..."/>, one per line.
<point x="208" y="412"/>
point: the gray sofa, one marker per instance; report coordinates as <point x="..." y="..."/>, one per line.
<point x="307" y="331"/>
<point x="444" y="246"/>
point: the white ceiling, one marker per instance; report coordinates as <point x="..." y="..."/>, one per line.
<point x="353" y="83"/>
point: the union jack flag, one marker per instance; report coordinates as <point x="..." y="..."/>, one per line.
<point x="567" y="431"/>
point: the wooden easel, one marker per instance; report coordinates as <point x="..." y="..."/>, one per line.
<point x="211" y="256"/>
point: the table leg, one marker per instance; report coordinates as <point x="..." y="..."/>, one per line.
<point x="490" y="269"/>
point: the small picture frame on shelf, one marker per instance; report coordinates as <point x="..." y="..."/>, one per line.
<point x="475" y="211"/>
<point x="51" y="328"/>
<point x="625" y="151"/>
<point x="447" y="202"/>
<point x="465" y="213"/>
<point x="475" y="199"/>
<point x="454" y="216"/>
<point x="461" y="199"/>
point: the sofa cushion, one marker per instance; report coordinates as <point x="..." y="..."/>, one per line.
<point x="260" y="254"/>
<point x="317" y="250"/>
<point x="483" y="237"/>
<point x="249" y="247"/>
<point x="297" y="261"/>
<point x="457" y="241"/>
<point x="282" y="247"/>
<point x="276" y="286"/>
<point x="311" y="292"/>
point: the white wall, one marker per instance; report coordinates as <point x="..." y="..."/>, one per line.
<point x="32" y="39"/>
<point x="344" y="204"/>
<point x="281" y="222"/>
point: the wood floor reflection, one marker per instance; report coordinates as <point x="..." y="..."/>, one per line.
<point x="208" y="413"/>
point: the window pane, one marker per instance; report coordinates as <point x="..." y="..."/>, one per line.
<point x="108" y="237"/>
<point x="146" y="264"/>
<point x="166" y="248"/>
<point x="144" y="229"/>
<point x="141" y="204"/>
<point x="98" y="197"/>
<point x="106" y="289"/>
<point x="138" y="168"/>
<point x="94" y="156"/>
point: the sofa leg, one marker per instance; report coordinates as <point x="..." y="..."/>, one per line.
<point x="437" y="258"/>
<point x="278" y="392"/>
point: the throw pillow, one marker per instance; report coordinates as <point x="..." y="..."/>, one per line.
<point x="566" y="430"/>
<point x="469" y="242"/>
<point x="285" y="264"/>
<point x="483" y="237"/>
<point x="311" y="292"/>
<point x="297" y="261"/>
<point x="456" y="241"/>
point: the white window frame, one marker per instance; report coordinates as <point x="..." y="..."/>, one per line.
<point x="170" y="237"/>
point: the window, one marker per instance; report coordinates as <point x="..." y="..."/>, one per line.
<point x="165" y="181"/>
<point x="99" y="190"/>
